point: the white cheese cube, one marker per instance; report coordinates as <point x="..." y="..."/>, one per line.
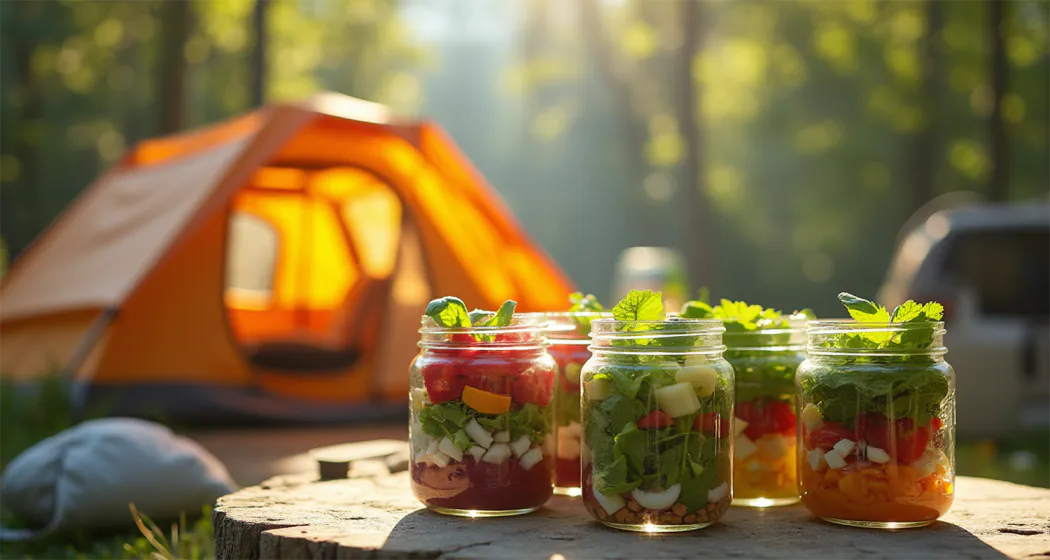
<point x="811" y="418"/>
<point x="815" y="457"/>
<point x="845" y="447"/>
<point x="497" y="454"/>
<point x="531" y="457"/>
<point x="744" y="447"/>
<point x="774" y="446"/>
<point x="520" y="446"/>
<point x="477" y="452"/>
<point x="433" y="447"/>
<point x="439" y="459"/>
<point x="502" y="436"/>
<point x="448" y="448"/>
<point x="478" y="434"/>
<point x="834" y="459"/>
<point x="703" y="378"/>
<point x="739" y="425"/>
<point x="611" y="504"/>
<point x="422" y="457"/>
<point x="926" y="463"/>
<point x="877" y="455"/>
<point x="718" y="493"/>
<point x="677" y="400"/>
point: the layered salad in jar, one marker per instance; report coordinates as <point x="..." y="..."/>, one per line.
<point x="657" y="419"/>
<point x="765" y="349"/>
<point x="877" y="412"/>
<point x="481" y="412"/>
<point x="569" y="336"/>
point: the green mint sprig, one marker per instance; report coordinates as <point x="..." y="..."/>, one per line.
<point x="450" y="312"/>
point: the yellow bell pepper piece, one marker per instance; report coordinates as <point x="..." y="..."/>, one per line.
<point x="485" y="402"/>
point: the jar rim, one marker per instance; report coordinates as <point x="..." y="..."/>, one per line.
<point x="562" y="321"/>
<point x="827" y="326"/>
<point x="708" y="326"/>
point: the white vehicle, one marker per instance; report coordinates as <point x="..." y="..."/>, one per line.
<point x="990" y="267"/>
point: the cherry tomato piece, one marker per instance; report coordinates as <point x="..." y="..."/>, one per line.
<point x="443" y="382"/>
<point x="655" y="419"/>
<point x="826" y="436"/>
<point x="766" y="417"/>
<point x="536" y="388"/>
<point x="712" y="423"/>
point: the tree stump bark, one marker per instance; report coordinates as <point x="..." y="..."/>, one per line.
<point x="373" y="514"/>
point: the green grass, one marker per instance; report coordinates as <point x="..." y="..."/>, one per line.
<point x="27" y="418"/>
<point x="1023" y="458"/>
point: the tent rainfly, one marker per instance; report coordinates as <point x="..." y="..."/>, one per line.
<point x="272" y="266"/>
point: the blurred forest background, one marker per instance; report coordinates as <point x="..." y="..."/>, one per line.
<point x="780" y="145"/>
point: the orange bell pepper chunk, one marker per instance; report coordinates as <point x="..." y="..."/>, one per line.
<point x="485" y="402"/>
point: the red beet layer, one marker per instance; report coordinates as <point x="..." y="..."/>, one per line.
<point x="482" y="486"/>
<point x="567" y="473"/>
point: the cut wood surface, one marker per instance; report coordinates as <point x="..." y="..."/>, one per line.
<point x="374" y="515"/>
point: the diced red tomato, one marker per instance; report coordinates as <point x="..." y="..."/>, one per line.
<point x="655" y="419"/>
<point x="907" y="440"/>
<point x="936" y="424"/>
<point x="536" y="388"/>
<point x="826" y="436"/>
<point x="491" y="383"/>
<point x="911" y="440"/>
<point x="443" y="382"/>
<point x="766" y="417"/>
<point x="712" y="423"/>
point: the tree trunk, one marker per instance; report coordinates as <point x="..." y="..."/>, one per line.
<point x="259" y="52"/>
<point x="172" y="67"/>
<point x="696" y="243"/>
<point x="998" y="188"/>
<point x="924" y="152"/>
<point x="20" y="202"/>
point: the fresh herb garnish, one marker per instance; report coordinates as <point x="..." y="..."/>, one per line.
<point x="580" y="303"/>
<point x="906" y="385"/>
<point x="640" y="305"/>
<point x="451" y="313"/>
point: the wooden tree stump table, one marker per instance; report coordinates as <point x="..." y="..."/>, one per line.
<point x="372" y="514"/>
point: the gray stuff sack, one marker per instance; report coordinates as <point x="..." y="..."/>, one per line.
<point x="85" y="477"/>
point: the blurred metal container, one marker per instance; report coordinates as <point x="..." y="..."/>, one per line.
<point x="652" y="268"/>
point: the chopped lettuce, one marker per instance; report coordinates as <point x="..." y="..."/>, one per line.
<point x="451" y="418"/>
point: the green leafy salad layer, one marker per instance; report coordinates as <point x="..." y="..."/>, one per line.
<point x="759" y="373"/>
<point x="450" y="419"/>
<point x="909" y="385"/>
<point x="622" y="393"/>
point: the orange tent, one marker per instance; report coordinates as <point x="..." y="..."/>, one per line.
<point x="274" y="265"/>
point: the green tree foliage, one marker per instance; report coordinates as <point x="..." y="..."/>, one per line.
<point x="811" y="113"/>
<point x="80" y="81"/>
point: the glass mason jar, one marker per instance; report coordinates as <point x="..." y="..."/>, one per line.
<point x="569" y="336"/>
<point x="876" y="445"/>
<point x="480" y="427"/>
<point x="657" y="414"/>
<point x="764" y="453"/>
